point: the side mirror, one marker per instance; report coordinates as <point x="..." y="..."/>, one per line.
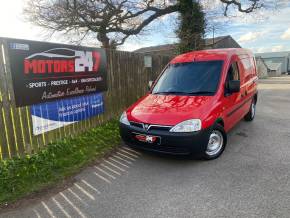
<point x="234" y="86"/>
<point x="150" y="84"/>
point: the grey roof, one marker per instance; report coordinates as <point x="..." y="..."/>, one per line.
<point x="166" y="47"/>
<point x="273" y="54"/>
<point x="211" y="41"/>
<point x="156" y="48"/>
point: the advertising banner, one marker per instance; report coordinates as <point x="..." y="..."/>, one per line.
<point x="44" y="72"/>
<point x="52" y="115"/>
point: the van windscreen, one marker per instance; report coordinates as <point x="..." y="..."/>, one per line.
<point x="190" y="78"/>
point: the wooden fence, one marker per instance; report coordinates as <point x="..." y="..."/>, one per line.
<point x="127" y="81"/>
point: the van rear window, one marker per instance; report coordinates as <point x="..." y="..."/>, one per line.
<point x="193" y="78"/>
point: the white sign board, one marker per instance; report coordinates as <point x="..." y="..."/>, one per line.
<point x="147" y="61"/>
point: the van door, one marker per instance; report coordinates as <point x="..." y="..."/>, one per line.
<point x="232" y="101"/>
<point x="252" y="89"/>
<point x="249" y="84"/>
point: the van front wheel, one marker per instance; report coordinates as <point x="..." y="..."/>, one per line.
<point x="216" y="143"/>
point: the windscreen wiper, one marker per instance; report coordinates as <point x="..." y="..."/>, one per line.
<point x="184" y="93"/>
<point x="168" y="93"/>
<point x="200" y="93"/>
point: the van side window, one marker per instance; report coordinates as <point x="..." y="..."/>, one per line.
<point x="233" y="73"/>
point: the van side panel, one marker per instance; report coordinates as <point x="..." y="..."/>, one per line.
<point x="249" y="83"/>
<point x="238" y="104"/>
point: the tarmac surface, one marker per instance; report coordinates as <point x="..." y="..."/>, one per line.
<point x="250" y="179"/>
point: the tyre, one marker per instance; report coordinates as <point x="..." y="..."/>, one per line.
<point x="216" y="143"/>
<point x="252" y="112"/>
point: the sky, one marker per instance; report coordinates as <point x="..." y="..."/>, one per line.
<point x="265" y="31"/>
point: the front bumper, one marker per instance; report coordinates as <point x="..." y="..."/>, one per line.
<point x="194" y="143"/>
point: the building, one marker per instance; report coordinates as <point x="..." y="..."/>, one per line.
<point x="273" y="58"/>
<point x="274" y="69"/>
<point x="170" y="49"/>
<point x="262" y="68"/>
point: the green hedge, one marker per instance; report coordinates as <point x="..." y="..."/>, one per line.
<point x="22" y="176"/>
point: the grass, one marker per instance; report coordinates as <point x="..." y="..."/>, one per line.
<point x="22" y="176"/>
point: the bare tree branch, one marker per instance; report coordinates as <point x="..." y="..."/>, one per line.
<point x="104" y="19"/>
<point x="254" y="4"/>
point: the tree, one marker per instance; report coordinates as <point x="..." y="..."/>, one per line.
<point x="192" y="26"/>
<point x="110" y="21"/>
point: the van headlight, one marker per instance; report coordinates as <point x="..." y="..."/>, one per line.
<point x="124" y="119"/>
<point x="192" y="125"/>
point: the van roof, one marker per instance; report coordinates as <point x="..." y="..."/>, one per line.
<point x="212" y="54"/>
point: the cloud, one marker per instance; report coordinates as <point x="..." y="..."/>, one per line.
<point x="286" y="34"/>
<point x="277" y="48"/>
<point x="261" y="49"/>
<point x="250" y="36"/>
<point x="131" y="46"/>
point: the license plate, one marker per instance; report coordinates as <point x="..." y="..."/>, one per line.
<point x="147" y="138"/>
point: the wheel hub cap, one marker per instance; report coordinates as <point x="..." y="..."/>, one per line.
<point x="215" y="143"/>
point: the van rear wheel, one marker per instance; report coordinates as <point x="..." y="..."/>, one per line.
<point x="252" y="112"/>
<point x="216" y="143"/>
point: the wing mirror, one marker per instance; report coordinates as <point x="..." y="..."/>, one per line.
<point x="234" y="86"/>
<point x="150" y="84"/>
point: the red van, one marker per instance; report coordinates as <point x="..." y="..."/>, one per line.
<point x="194" y="102"/>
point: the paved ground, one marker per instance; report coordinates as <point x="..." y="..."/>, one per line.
<point x="251" y="179"/>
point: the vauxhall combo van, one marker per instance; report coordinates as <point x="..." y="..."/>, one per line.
<point x="198" y="98"/>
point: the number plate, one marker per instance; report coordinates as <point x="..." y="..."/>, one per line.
<point x="147" y="138"/>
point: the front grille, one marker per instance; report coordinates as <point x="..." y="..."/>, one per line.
<point x="151" y="126"/>
<point x="162" y="128"/>
<point x="164" y="148"/>
<point x="140" y="125"/>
